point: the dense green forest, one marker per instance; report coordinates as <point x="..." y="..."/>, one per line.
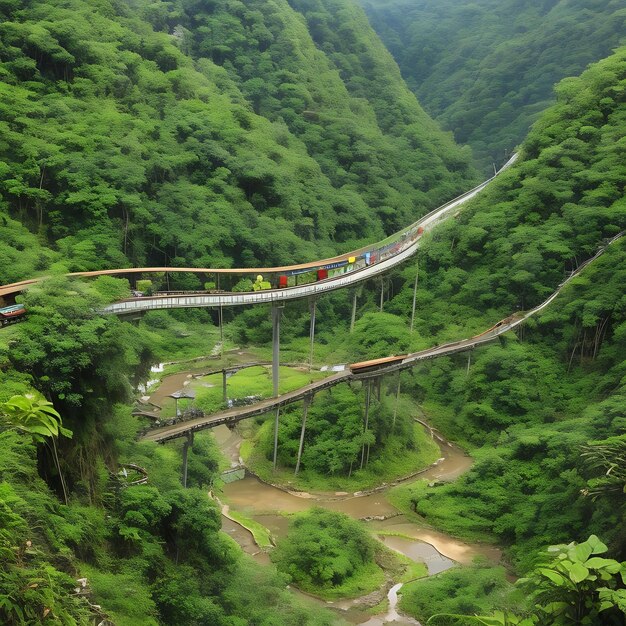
<point x="170" y="133"/>
<point x="486" y="69"/>
<point x="543" y="411"/>
<point x="152" y="554"/>
<point x="230" y="133"/>
<point x="167" y="133"/>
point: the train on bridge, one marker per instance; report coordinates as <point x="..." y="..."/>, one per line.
<point x="306" y="273"/>
<point x="11" y="314"/>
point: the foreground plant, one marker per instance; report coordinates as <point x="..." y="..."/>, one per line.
<point x="34" y="415"/>
<point x="576" y="587"/>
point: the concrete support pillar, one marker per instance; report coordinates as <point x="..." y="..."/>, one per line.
<point x="276" y="436"/>
<point x="220" y="317"/>
<point x="366" y="417"/>
<point x="469" y="361"/>
<point x="417" y="273"/>
<point x="312" y="307"/>
<point x="186" y="446"/>
<point x="307" y="401"/>
<point x="276" y="312"/>
<point x="224" y="390"/>
<point x="353" y="317"/>
<point x="382" y="292"/>
<point x="395" y="407"/>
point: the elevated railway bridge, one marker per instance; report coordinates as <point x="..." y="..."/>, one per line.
<point x="338" y="272"/>
<point x="365" y="371"/>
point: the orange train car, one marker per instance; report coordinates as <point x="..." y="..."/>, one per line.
<point x="365" y="366"/>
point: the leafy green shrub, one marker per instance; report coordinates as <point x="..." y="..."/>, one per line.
<point x="323" y="549"/>
<point x="145" y="286"/>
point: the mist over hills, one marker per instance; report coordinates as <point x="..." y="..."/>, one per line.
<point x="486" y="69"/>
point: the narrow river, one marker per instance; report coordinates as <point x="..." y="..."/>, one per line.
<point x="266" y="503"/>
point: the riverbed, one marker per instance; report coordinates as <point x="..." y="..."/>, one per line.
<point x="267" y="505"/>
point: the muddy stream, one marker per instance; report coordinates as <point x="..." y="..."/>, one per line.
<point x="265" y="503"/>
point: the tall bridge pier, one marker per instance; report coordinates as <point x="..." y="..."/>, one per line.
<point x="276" y="313"/>
<point x="312" y="306"/>
<point x="188" y="443"/>
<point x="307" y="402"/>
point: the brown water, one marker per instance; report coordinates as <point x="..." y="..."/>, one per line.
<point x="439" y="551"/>
<point x="266" y="504"/>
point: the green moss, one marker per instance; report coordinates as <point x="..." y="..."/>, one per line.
<point x="262" y="536"/>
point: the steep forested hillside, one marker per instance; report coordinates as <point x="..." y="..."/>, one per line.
<point x="71" y="517"/>
<point x="486" y="69"/>
<point x="530" y="405"/>
<point x="227" y="132"/>
<point x="194" y="132"/>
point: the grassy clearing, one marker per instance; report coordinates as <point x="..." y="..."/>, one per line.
<point x="253" y="381"/>
<point x="394" y="462"/>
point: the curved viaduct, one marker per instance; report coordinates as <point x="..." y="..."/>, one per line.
<point x="404" y="243"/>
<point x="407" y="240"/>
<point x="373" y="369"/>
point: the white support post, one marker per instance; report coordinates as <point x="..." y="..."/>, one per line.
<point x="186" y="445"/>
<point x="307" y="401"/>
<point x="312" y="307"/>
<point x="276" y="311"/>
<point x="417" y="273"/>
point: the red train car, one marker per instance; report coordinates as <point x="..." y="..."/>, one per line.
<point x="10" y="314"/>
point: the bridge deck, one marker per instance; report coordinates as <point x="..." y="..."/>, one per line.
<point x="387" y="366"/>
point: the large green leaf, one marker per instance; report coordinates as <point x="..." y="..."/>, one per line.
<point x="597" y="547"/>
<point x="578" y="573"/>
<point x="555" y="577"/>
<point x="597" y="562"/>
<point x="583" y="551"/>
